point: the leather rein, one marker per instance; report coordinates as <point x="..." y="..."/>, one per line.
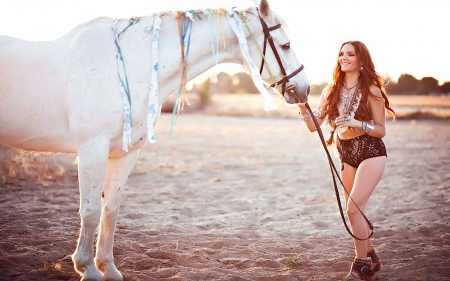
<point x="335" y="174"/>
<point x="283" y="82"/>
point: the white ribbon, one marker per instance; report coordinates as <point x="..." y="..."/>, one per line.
<point x="236" y="25"/>
<point x="153" y="93"/>
<point x="126" y="135"/>
<point x="214" y="37"/>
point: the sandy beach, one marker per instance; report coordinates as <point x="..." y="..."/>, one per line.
<point x="242" y="197"/>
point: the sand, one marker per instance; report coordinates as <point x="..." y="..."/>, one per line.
<point x="235" y="198"/>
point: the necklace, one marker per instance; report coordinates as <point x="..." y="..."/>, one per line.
<point x="348" y="89"/>
<point x="348" y="101"/>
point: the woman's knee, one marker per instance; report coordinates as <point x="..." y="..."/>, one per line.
<point x="353" y="210"/>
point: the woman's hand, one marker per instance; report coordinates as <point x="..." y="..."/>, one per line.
<point x="347" y="121"/>
<point x="301" y="105"/>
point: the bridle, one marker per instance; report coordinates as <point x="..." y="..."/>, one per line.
<point x="268" y="38"/>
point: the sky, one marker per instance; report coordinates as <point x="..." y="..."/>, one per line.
<point x="403" y="36"/>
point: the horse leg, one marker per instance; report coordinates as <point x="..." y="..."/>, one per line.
<point x="117" y="172"/>
<point x="92" y="159"/>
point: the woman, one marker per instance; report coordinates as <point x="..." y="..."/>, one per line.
<point x="355" y="106"/>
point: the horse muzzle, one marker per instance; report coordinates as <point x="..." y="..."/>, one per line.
<point x="297" y="94"/>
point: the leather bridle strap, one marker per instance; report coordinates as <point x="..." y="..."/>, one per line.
<point x="268" y="38"/>
<point x="286" y="78"/>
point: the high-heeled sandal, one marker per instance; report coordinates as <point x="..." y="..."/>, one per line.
<point x="363" y="268"/>
<point x="376" y="263"/>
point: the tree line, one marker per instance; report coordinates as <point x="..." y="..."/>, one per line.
<point x="410" y="85"/>
<point x="241" y="83"/>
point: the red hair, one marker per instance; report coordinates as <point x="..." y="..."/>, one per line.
<point x="368" y="77"/>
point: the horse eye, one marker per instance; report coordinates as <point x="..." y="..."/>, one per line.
<point x="286" y="46"/>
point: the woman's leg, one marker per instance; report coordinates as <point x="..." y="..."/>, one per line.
<point x="366" y="179"/>
<point x="348" y="177"/>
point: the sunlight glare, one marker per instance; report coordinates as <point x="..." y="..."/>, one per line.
<point x="399" y="43"/>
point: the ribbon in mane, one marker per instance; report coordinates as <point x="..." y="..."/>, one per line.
<point x="221" y="12"/>
<point x="185" y="20"/>
<point x="153" y="93"/>
<point x="214" y="37"/>
<point x="236" y="25"/>
<point x="184" y="28"/>
<point x="124" y="88"/>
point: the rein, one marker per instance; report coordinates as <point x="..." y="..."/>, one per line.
<point x="335" y="174"/>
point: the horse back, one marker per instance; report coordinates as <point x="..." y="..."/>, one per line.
<point x="51" y="91"/>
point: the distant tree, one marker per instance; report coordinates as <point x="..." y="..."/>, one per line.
<point x="316" y="89"/>
<point x="241" y="82"/>
<point x="445" y="88"/>
<point x="391" y="85"/>
<point x="407" y="84"/>
<point x="205" y="94"/>
<point x="427" y="85"/>
<point x="223" y="84"/>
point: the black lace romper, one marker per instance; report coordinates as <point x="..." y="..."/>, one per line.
<point x="354" y="151"/>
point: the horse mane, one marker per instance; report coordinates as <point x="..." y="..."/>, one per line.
<point x="222" y="10"/>
<point x="174" y="13"/>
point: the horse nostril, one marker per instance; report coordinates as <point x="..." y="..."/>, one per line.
<point x="291" y="90"/>
<point x="308" y="90"/>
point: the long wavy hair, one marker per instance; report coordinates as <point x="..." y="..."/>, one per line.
<point x="368" y="77"/>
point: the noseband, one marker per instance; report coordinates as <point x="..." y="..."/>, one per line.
<point x="268" y="37"/>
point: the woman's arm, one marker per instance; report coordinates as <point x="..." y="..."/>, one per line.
<point x="305" y="116"/>
<point x="378" y="111"/>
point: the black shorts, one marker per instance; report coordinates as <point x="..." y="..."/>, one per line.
<point x="354" y="151"/>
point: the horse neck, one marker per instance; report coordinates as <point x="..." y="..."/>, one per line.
<point x="200" y="57"/>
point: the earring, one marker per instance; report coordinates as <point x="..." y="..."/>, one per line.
<point x="362" y="68"/>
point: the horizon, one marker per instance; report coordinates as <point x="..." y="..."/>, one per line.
<point x="399" y="44"/>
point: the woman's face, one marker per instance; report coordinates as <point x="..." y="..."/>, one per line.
<point x="348" y="60"/>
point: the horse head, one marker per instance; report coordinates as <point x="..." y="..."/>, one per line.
<point x="270" y="44"/>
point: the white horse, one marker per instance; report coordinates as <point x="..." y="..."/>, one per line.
<point x="64" y="96"/>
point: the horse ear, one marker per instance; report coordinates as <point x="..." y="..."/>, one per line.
<point x="264" y="8"/>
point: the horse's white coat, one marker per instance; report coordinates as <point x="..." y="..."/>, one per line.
<point x="63" y="96"/>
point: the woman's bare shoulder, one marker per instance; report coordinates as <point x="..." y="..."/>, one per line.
<point x="375" y="91"/>
<point x="326" y="90"/>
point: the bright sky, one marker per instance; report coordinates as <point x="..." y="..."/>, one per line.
<point x="403" y="36"/>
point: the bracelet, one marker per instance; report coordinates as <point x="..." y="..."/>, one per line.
<point x="369" y="128"/>
<point x="304" y="117"/>
<point x="363" y="126"/>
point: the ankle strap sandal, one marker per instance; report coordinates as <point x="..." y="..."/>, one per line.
<point x="376" y="264"/>
<point x="363" y="268"/>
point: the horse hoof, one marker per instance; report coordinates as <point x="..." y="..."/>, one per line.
<point x="113" y="276"/>
<point x="92" y="278"/>
<point x="110" y="272"/>
<point x="92" y="274"/>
